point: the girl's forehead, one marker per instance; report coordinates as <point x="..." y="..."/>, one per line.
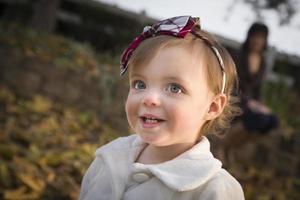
<point x="170" y="62"/>
<point x="170" y="66"/>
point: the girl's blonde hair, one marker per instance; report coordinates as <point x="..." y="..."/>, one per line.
<point x="149" y="48"/>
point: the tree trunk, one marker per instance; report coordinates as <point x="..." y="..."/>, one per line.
<point x="44" y="15"/>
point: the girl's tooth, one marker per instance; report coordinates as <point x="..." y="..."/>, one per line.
<point x="150" y="120"/>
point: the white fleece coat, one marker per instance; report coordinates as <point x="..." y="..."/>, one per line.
<point x="195" y="174"/>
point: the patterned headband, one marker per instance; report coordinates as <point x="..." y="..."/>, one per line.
<point x="178" y="27"/>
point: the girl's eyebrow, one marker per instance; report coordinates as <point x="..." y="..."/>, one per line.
<point x="135" y="75"/>
<point x="176" y="79"/>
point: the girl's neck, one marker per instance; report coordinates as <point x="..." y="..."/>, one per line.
<point x="155" y="154"/>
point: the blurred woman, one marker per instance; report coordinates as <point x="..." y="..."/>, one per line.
<point x="256" y="119"/>
<point x="251" y="67"/>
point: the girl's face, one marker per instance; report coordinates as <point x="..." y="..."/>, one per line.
<point x="169" y="98"/>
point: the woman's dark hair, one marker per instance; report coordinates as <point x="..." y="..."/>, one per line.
<point x="256" y="27"/>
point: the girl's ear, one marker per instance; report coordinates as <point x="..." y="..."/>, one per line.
<point x="216" y="107"/>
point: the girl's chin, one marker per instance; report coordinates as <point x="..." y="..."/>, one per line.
<point x="151" y="138"/>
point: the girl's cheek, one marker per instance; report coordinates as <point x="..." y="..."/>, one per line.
<point x="131" y="103"/>
<point x="132" y="98"/>
<point x="128" y="103"/>
<point x="129" y="112"/>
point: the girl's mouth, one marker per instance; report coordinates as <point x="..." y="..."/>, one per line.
<point x="150" y="121"/>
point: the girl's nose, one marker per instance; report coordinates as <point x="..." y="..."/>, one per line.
<point x="151" y="99"/>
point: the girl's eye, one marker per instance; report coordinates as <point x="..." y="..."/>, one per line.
<point x="139" y="85"/>
<point x="174" y="88"/>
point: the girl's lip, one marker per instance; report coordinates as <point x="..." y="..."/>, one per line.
<point x="151" y="116"/>
<point x="153" y="121"/>
<point x="152" y="124"/>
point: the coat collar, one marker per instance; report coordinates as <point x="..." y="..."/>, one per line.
<point x="186" y="172"/>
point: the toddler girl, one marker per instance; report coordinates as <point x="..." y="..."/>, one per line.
<point x="181" y="82"/>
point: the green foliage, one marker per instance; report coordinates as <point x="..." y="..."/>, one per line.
<point x="285" y="9"/>
<point x="284" y="102"/>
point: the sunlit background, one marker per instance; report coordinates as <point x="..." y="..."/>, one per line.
<point x="228" y="18"/>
